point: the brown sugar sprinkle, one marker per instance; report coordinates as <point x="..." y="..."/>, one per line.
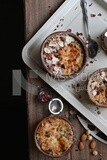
<point x="92" y="15"/>
<point x="90" y="4"/>
<point x="99" y="14"/>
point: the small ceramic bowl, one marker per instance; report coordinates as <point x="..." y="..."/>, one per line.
<point x="103" y="41"/>
<point x="55" y="106"/>
<point x="54" y="136"/>
<point x="97" y="87"/>
<point x="63" y="54"/>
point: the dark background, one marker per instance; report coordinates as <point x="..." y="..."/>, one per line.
<point x="13" y="111"/>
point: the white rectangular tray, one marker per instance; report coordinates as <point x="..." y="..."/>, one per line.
<point x="69" y="16"/>
<point x="105" y="1"/>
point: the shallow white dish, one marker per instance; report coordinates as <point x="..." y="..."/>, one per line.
<point x="69" y="16"/>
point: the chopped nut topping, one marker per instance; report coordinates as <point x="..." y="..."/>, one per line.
<point x="98" y="87"/>
<point x="63" y="54"/>
<point x="47" y="50"/>
<point x="94" y="93"/>
<point x="69" y="39"/>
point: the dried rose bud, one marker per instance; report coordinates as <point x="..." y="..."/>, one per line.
<point x="44" y="96"/>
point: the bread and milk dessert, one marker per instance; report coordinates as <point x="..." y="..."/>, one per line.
<point x="97" y="87"/>
<point x="63" y="54"/>
<point x="54" y="135"/>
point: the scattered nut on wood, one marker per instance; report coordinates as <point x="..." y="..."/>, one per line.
<point x="95" y="153"/>
<point x="92" y="144"/>
<point x="81" y="146"/>
<point x="89" y="137"/>
<point x="83" y="137"/>
<point x="88" y="132"/>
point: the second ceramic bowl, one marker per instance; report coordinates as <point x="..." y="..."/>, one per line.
<point x="64" y="54"/>
<point x="97" y="87"/>
<point x="54" y="136"/>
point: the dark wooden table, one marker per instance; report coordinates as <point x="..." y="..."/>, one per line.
<point x="36" y="14"/>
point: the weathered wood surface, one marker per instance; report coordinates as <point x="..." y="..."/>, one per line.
<point x="36" y="14"/>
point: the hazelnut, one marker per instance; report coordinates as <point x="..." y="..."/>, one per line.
<point x="89" y="137"/>
<point x="95" y="153"/>
<point x="88" y="132"/>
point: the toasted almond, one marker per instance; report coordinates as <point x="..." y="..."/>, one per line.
<point x="83" y="137"/>
<point x="81" y="146"/>
<point x="93" y="144"/>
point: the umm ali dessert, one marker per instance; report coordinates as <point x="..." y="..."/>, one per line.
<point x="97" y="87"/>
<point x="63" y="54"/>
<point x="54" y="135"/>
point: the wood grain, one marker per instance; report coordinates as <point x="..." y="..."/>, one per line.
<point x="36" y="14"/>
